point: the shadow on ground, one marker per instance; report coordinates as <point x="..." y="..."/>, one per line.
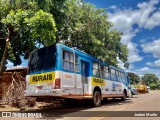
<point x="80" y="109"/>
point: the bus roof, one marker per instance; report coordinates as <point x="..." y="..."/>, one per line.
<point x="82" y="53"/>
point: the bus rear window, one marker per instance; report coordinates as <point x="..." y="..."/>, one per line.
<point x="42" y="59"/>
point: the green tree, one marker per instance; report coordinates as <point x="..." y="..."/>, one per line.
<point x="134" y="78"/>
<point x="151" y="80"/>
<point x="158" y="85"/>
<point x="88" y="28"/>
<point x="153" y="86"/>
<point x="78" y="24"/>
<point x="5" y="7"/>
<point x="57" y="8"/>
<point x="24" y="29"/>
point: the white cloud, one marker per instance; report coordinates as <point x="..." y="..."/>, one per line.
<point x="133" y="53"/>
<point x="126" y="38"/>
<point x="142" y="5"/>
<point x="121" y="65"/>
<point x="145" y="70"/>
<point x="152" y="47"/>
<point x="149" y="63"/>
<point x="155" y="63"/>
<point x="154" y="21"/>
<point x="113" y="7"/>
<point x="146" y="16"/>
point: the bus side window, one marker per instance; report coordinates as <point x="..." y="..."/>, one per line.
<point x="76" y="63"/>
<point x="125" y="80"/>
<point x="122" y="76"/>
<point x="109" y="73"/>
<point x="113" y="74"/>
<point x="68" y="61"/>
<point x="105" y="73"/>
<point x="102" y="71"/>
<point x="96" y="70"/>
<point x="118" y="77"/>
<point x="128" y="79"/>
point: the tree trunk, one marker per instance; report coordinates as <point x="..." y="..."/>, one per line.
<point x="3" y="61"/>
<point x="5" y="54"/>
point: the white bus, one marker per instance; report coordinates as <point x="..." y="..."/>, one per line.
<point x="67" y="73"/>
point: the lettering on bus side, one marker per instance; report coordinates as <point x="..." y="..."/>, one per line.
<point x="42" y="78"/>
<point x="98" y="82"/>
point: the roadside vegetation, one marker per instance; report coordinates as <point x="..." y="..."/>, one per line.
<point x="149" y="79"/>
<point x="27" y="25"/>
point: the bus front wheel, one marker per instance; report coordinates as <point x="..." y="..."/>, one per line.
<point x="97" y="99"/>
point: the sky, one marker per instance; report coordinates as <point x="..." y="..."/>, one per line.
<point x="139" y="21"/>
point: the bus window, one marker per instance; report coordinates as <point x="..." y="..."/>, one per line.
<point x="77" y="63"/>
<point x="68" y="61"/>
<point x="96" y="71"/>
<point x="118" y="75"/>
<point x="122" y="77"/>
<point x="102" y="71"/>
<point x="105" y="72"/>
<point x="42" y="59"/>
<point x="113" y="74"/>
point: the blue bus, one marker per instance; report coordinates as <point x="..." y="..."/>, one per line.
<point x="68" y="73"/>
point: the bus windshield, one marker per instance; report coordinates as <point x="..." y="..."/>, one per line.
<point x="42" y="59"/>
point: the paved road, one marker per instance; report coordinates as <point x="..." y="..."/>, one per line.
<point x="142" y="103"/>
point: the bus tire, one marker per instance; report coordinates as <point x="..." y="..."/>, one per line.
<point x="131" y="94"/>
<point x="124" y="96"/>
<point x="97" y="99"/>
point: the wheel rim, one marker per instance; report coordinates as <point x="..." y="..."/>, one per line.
<point x="96" y="98"/>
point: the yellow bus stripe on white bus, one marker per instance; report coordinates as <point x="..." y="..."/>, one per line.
<point x="98" y="81"/>
<point x="42" y="78"/>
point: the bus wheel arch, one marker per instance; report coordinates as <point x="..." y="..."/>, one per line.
<point x="97" y="96"/>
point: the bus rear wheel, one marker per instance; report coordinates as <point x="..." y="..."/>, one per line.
<point x="124" y="96"/>
<point x="97" y="99"/>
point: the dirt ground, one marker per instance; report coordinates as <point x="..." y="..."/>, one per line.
<point x="38" y="105"/>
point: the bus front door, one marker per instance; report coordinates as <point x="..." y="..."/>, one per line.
<point x="84" y="71"/>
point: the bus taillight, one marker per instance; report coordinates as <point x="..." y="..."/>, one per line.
<point x="57" y="83"/>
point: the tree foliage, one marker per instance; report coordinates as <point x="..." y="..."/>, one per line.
<point x="54" y="7"/>
<point x="88" y="29"/>
<point x="151" y="80"/>
<point x="134" y="78"/>
<point x="78" y="24"/>
<point x="24" y="29"/>
<point x="30" y="28"/>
